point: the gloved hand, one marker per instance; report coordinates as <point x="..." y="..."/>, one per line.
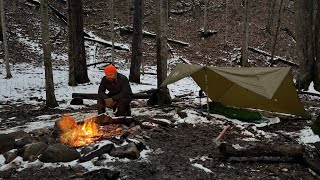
<point x="110" y="103"/>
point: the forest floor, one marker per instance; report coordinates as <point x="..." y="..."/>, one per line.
<point x="173" y="147"/>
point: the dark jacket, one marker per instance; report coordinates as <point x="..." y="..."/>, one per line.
<point x="120" y="88"/>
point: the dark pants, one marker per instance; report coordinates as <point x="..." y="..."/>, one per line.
<point x="122" y="106"/>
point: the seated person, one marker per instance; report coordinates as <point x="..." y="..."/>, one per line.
<point x="119" y="95"/>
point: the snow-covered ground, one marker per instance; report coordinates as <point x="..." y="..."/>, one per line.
<point x="27" y="86"/>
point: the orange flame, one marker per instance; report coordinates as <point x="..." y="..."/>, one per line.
<point x="76" y="135"/>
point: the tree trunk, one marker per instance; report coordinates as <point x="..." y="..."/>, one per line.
<point x="77" y="60"/>
<point x="162" y="55"/>
<point x="226" y="23"/>
<point x="271" y="9"/>
<point x="205" y="19"/>
<point x="1" y="33"/>
<point x="112" y="31"/>
<point x="244" y="50"/>
<point x="5" y="42"/>
<point x="136" y="42"/>
<point x="277" y="31"/>
<point x="316" y="79"/>
<point x="304" y="25"/>
<point x="50" y="97"/>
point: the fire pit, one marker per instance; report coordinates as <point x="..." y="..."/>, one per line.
<point x="79" y="134"/>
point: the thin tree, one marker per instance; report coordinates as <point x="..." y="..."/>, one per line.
<point x="270" y="18"/>
<point x="205" y="18"/>
<point x="245" y="41"/>
<point x="277" y="31"/>
<point x="50" y="97"/>
<point x="77" y="60"/>
<point x="5" y="42"/>
<point x="316" y="79"/>
<point x="112" y="31"/>
<point x="305" y="38"/>
<point x="162" y="54"/>
<point x="226" y="23"/>
<point x="136" y="58"/>
<point x="1" y="33"/>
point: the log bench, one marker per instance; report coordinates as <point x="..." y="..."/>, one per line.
<point x="77" y="98"/>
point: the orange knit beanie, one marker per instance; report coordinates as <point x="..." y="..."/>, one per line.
<point x="110" y="69"/>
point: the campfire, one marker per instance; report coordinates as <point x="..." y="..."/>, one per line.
<point x="79" y="134"/>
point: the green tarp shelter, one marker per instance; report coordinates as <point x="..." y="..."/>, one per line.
<point x="267" y="88"/>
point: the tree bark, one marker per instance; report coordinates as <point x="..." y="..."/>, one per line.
<point x="50" y="96"/>
<point x="5" y="42"/>
<point x="136" y="58"/>
<point x="271" y="9"/>
<point x="304" y="25"/>
<point x="112" y="31"/>
<point x="162" y="54"/>
<point x="277" y="31"/>
<point x="77" y="60"/>
<point x="316" y="79"/>
<point x="245" y="41"/>
<point x="205" y="18"/>
<point x="1" y="33"/>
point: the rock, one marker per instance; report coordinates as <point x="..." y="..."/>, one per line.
<point x="41" y="131"/>
<point x="102" y="174"/>
<point x="59" y="153"/>
<point x="182" y="114"/>
<point x="32" y="151"/>
<point x="6" y="143"/>
<point x="24" y="141"/>
<point x="19" y="134"/>
<point x="9" y="156"/>
<point x="129" y="151"/>
<point x="316" y="126"/>
<point x="135" y="130"/>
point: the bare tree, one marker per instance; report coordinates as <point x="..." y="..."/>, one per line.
<point x="277" y="31"/>
<point x="5" y="42"/>
<point x="304" y="27"/>
<point x="226" y="23"/>
<point x="205" y="18"/>
<point x="316" y="79"/>
<point x="162" y="54"/>
<point x="112" y="31"/>
<point x="50" y="97"/>
<point x="136" y="42"/>
<point x="77" y="60"/>
<point x="270" y="18"/>
<point x="1" y="33"/>
<point x="245" y="41"/>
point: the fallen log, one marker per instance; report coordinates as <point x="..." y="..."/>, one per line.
<point x="105" y="149"/>
<point x="94" y="96"/>
<point x="181" y="11"/>
<point x="258" y="150"/>
<point x="86" y="35"/>
<point x="102" y="62"/>
<point x="129" y="30"/>
<point x="269" y="153"/>
<point x="276" y="58"/>
<point x="108" y="44"/>
<point x="309" y="93"/>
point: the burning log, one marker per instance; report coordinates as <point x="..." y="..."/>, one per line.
<point x="76" y="135"/>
